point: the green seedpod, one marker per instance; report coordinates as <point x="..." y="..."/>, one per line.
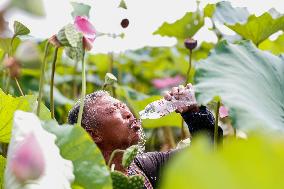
<point x="129" y="154"/>
<point x="136" y="182"/>
<point x="119" y="180"/>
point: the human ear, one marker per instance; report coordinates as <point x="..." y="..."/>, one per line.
<point x="97" y="137"/>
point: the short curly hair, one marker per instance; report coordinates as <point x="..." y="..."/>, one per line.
<point x="89" y="114"/>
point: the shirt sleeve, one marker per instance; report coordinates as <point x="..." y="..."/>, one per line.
<point x="201" y="121"/>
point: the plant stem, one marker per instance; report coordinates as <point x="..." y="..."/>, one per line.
<point x="112" y="156"/>
<point x="216" y="125"/>
<point x="52" y="82"/>
<point x="189" y="67"/>
<point x="184" y="132"/>
<point x="111" y="71"/>
<point x="7" y="87"/>
<point x="19" y="87"/>
<point x="41" y="81"/>
<point x="75" y="90"/>
<point x="169" y="137"/>
<point x="11" y="46"/>
<point x="83" y="92"/>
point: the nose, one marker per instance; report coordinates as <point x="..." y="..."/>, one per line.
<point x="127" y="114"/>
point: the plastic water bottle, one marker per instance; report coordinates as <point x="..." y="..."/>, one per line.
<point x="162" y="107"/>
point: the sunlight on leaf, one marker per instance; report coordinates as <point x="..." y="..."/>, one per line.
<point x="276" y="46"/>
<point x="185" y="27"/>
<point x="9" y="104"/>
<point x="259" y="28"/>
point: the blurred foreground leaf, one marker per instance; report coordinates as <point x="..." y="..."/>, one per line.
<point x="2" y="169"/>
<point x="249" y="81"/>
<point x="256" y="163"/>
<point x="76" y="145"/>
<point x="9" y="104"/>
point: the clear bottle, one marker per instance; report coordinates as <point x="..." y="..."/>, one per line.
<point x="162" y="107"/>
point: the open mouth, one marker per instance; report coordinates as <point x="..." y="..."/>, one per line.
<point x="135" y="124"/>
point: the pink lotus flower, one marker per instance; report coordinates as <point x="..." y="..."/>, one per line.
<point x="223" y="112"/>
<point x="83" y="25"/>
<point x="27" y="162"/>
<point x="167" y="82"/>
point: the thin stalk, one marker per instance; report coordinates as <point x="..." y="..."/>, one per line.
<point x="11" y="46"/>
<point x="4" y="78"/>
<point x="111" y="71"/>
<point x="169" y="137"/>
<point x="216" y="125"/>
<point x="110" y="63"/>
<point x="7" y="87"/>
<point x="184" y="132"/>
<point x="52" y="82"/>
<point x="75" y="90"/>
<point x="19" y="87"/>
<point x="189" y="68"/>
<point x="83" y="92"/>
<point x="112" y="156"/>
<point x="41" y="81"/>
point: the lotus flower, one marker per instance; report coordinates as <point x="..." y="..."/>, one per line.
<point x="33" y="159"/>
<point x="28" y="162"/>
<point x="167" y="82"/>
<point x="223" y="112"/>
<point x="83" y="25"/>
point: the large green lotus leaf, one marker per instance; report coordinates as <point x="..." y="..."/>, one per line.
<point x="225" y="13"/>
<point x="249" y="81"/>
<point x="2" y="169"/>
<point x="183" y="28"/>
<point x="256" y="163"/>
<point x="9" y="104"/>
<point x="276" y="47"/>
<point x="260" y="28"/>
<point x="76" y="145"/>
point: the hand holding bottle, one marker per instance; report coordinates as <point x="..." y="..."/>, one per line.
<point x="182" y="94"/>
<point x="179" y="99"/>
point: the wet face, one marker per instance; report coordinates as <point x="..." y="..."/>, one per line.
<point x="118" y="126"/>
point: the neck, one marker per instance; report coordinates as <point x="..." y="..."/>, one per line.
<point x="116" y="158"/>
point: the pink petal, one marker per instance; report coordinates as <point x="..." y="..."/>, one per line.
<point x="167" y="82"/>
<point x="28" y="162"/>
<point x="223" y="112"/>
<point x="83" y="25"/>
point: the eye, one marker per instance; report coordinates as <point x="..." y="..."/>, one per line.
<point x="111" y="109"/>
